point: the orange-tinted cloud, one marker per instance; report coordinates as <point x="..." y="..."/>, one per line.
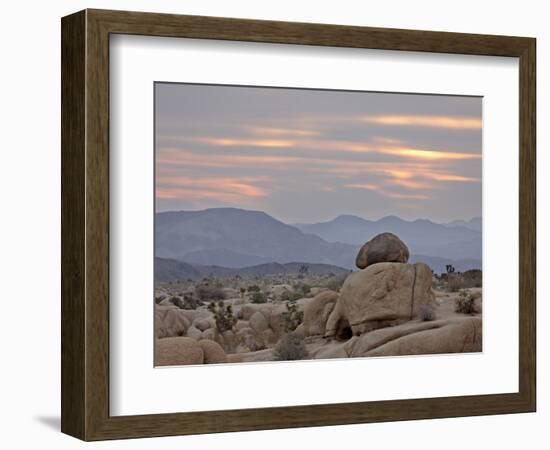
<point x="225" y="189"/>
<point x="230" y="142"/>
<point x="428" y="154"/>
<point x="176" y="157"/>
<point x="458" y="123"/>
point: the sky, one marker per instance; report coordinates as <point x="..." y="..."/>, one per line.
<point x="306" y="155"/>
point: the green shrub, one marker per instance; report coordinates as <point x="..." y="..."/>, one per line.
<point x="291" y="347"/>
<point x="465" y="303"/>
<point x="208" y="293"/>
<point x="287" y="296"/>
<point x="293" y="317"/>
<point x="426" y="313"/>
<point x="223" y="315"/>
<point x="254" y="288"/>
<point x="258" y="297"/>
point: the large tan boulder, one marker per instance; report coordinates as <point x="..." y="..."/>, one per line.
<point x="278" y="290"/>
<point x="457" y="335"/>
<point x="194" y="333"/>
<point x="385" y="247"/>
<point x="178" y="351"/>
<point x="258" y="322"/>
<point x="203" y="323"/>
<point x="213" y="352"/>
<point x="384" y="294"/>
<point x="317" y="312"/>
<point x="250" y="340"/>
<point x="170" y="321"/>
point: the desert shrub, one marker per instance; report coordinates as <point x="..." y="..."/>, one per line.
<point x="159" y="298"/>
<point x="176" y="301"/>
<point x="258" y="297"/>
<point x="426" y="313"/>
<point x="291" y="347"/>
<point x="208" y="293"/>
<point x="293" y="317"/>
<point x="242" y="291"/>
<point x="302" y="288"/>
<point x="465" y="303"/>
<point x="254" y="288"/>
<point x="190" y="301"/>
<point x="288" y="296"/>
<point x="223" y="315"/>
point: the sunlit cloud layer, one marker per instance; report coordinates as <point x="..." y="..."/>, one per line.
<point x="461" y="123"/>
<point x="309" y="156"/>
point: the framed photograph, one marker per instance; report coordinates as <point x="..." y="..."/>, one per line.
<point x="267" y="224"/>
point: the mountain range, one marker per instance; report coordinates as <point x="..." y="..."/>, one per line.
<point x="172" y="270"/>
<point x="421" y="236"/>
<point x="231" y="238"/>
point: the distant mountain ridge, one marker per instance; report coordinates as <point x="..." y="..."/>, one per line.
<point x="474" y="223"/>
<point x="173" y="270"/>
<point x="232" y="238"/>
<point x="422" y="236"/>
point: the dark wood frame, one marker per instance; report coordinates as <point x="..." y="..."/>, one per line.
<point x="85" y="224"/>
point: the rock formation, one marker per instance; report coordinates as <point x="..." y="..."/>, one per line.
<point x="385" y="247"/>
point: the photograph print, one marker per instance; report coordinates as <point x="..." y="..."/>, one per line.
<point x="303" y="224"/>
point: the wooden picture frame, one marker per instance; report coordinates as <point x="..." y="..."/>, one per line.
<point x="85" y="224"/>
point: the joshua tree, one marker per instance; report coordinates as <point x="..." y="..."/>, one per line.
<point x="223" y="315"/>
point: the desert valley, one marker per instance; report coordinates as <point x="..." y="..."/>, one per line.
<point x="233" y="285"/>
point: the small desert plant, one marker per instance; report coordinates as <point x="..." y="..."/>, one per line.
<point x="254" y="288"/>
<point x="223" y="315"/>
<point x="243" y="291"/>
<point x="465" y="303"/>
<point x="291" y="347"/>
<point x="208" y="293"/>
<point x="288" y="296"/>
<point x="293" y="317"/>
<point x="426" y="313"/>
<point x="258" y="297"/>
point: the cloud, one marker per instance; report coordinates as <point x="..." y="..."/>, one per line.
<point x="449" y="122"/>
<point x="185" y="158"/>
<point x="270" y="131"/>
<point x="233" y="142"/>
<point x="429" y="154"/>
<point x="224" y="189"/>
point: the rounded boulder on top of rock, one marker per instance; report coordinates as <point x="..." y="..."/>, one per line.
<point x="178" y="351"/>
<point x="384" y="247"/>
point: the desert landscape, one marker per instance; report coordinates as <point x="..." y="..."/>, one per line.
<point x="388" y="307"/>
<point x="301" y="224"/>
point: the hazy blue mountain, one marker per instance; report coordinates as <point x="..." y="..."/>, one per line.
<point x="231" y="238"/>
<point x="422" y="236"/>
<point x="172" y="270"/>
<point x="234" y="237"/>
<point x="473" y="224"/>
